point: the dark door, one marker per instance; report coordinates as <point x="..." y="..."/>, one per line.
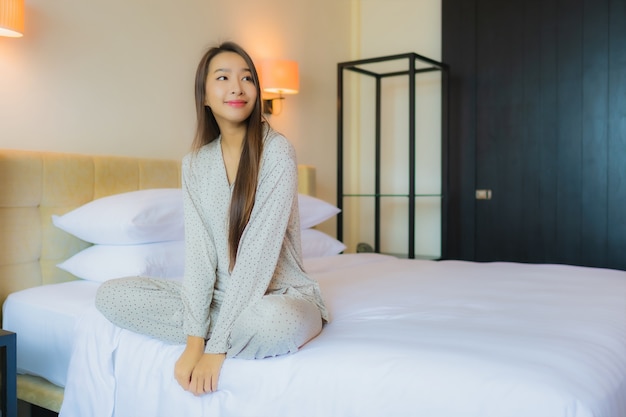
<point x="547" y="82"/>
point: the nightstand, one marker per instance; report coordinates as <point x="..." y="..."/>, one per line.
<point x="8" y="369"/>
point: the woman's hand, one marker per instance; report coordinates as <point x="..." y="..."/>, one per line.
<point x="206" y="373"/>
<point x="188" y="360"/>
<point x="196" y="371"/>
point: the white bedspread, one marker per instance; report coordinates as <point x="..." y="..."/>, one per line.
<point x="44" y="319"/>
<point x="407" y="338"/>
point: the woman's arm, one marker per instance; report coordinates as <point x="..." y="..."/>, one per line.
<point x="200" y="254"/>
<point x="194" y="371"/>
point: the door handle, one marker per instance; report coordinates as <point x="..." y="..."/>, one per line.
<point x="483" y="194"/>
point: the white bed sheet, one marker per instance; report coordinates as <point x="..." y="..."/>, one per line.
<point x="407" y="338"/>
<point x="44" y="319"/>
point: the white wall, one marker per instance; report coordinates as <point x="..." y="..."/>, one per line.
<point x="390" y="27"/>
<point x="116" y="76"/>
<point x="103" y="77"/>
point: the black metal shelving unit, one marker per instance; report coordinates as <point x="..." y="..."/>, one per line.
<point x="412" y="70"/>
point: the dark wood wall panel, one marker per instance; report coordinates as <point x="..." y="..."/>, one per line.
<point x="595" y="85"/>
<point x="539" y="104"/>
<point x="460" y="21"/>
<point x="539" y="91"/>
<point x="617" y="136"/>
<point x="569" y="130"/>
<point x="499" y="127"/>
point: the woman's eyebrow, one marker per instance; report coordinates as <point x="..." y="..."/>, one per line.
<point x="230" y="70"/>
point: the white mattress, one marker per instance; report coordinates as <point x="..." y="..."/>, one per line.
<point x="44" y="319"/>
<point x="407" y="338"/>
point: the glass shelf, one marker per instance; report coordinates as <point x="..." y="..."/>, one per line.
<point x="420" y="257"/>
<point x="391" y="195"/>
<point x="378" y="152"/>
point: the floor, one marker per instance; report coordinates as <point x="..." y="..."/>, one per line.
<point x="28" y="410"/>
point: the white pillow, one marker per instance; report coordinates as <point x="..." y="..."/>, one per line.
<point x="154" y="215"/>
<point x="136" y="217"/>
<point x="316" y="244"/>
<point x="104" y="262"/>
<point x="165" y="259"/>
<point x="314" y="211"/>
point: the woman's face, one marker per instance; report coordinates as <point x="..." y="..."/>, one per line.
<point x="230" y="90"/>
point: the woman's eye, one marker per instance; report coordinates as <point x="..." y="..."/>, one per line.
<point x="247" y="78"/>
<point x="223" y="77"/>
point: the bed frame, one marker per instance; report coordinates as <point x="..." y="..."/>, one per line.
<point x="34" y="186"/>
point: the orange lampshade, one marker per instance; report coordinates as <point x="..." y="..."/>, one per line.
<point x="279" y="76"/>
<point x="11" y="18"/>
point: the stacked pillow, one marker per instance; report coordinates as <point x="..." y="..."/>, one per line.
<point x="315" y="243"/>
<point x="140" y="233"/>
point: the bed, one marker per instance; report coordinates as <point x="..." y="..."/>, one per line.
<point x="406" y="337"/>
<point x="34" y="186"/>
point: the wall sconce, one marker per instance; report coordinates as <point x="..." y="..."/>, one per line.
<point x="278" y="76"/>
<point x="11" y="18"/>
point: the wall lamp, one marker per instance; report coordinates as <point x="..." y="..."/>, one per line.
<point x="278" y="76"/>
<point x="12" y="18"/>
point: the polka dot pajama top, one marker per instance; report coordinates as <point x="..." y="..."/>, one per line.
<point x="269" y="260"/>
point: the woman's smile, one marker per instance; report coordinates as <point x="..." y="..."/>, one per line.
<point x="237" y="103"/>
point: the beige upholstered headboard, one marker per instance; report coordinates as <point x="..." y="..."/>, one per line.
<point x="35" y="185"/>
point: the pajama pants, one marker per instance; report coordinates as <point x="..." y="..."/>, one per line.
<point x="275" y="325"/>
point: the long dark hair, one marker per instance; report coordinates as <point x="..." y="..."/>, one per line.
<point x="244" y="192"/>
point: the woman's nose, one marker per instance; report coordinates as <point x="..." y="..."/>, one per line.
<point x="236" y="88"/>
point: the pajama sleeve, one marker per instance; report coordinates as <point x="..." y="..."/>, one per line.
<point x="262" y="240"/>
<point x="200" y="258"/>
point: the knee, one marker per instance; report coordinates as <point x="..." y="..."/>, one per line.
<point x="107" y="298"/>
<point x="275" y="315"/>
<point x="274" y="327"/>
<point x="102" y="296"/>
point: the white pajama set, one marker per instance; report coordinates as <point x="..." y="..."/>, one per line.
<point x="267" y="305"/>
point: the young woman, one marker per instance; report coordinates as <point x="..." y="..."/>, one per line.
<point x="245" y="293"/>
